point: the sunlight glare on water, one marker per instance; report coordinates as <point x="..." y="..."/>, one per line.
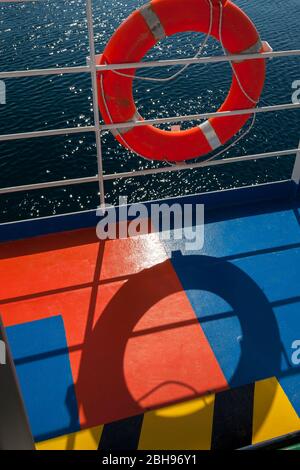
<point x="54" y="33"/>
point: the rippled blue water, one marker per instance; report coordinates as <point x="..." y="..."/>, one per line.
<point x="54" y="33"/>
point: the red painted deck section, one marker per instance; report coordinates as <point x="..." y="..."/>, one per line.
<point x="134" y="340"/>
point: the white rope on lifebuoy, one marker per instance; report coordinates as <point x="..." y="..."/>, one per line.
<point x="172" y="77"/>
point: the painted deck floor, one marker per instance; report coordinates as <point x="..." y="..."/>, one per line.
<point x="119" y="345"/>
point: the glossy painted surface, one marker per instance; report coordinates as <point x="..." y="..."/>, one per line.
<point x="134" y="343"/>
<point x="44" y="371"/>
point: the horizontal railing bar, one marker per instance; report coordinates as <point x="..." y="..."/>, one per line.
<point x="196" y="117"/>
<point x="44" y="72"/>
<point x="17" y="1"/>
<point x="140" y="65"/>
<point x="193" y="117"/>
<point x="179" y="167"/>
<point x="50" y="184"/>
<point x="47" y="133"/>
<point x="132" y="174"/>
<point x="199" y="60"/>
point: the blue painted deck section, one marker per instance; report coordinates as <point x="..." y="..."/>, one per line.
<point x="244" y="286"/>
<point x="42" y="361"/>
<point x="288" y="320"/>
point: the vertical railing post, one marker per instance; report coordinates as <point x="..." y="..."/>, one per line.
<point x="296" y="169"/>
<point x="92" y="63"/>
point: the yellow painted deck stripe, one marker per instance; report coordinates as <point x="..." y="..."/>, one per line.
<point x="88" y="439"/>
<point x="273" y="414"/>
<point x="188" y="426"/>
<point x="184" y="426"/>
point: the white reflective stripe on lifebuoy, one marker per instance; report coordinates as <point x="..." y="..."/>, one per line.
<point x="153" y="22"/>
<point x="136" y="117"/>
<point x="254" y="49"/>
<point x="210" y="135"/>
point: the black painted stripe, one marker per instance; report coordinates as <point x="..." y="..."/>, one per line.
<point x="281" y="442"/>
<point x="122" y="435"/>
<point x="233" y="418"/>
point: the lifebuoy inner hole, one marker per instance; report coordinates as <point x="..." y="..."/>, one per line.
<point x="200" y="88"/>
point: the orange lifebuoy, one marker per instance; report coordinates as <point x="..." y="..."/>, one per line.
<point x="138" y="34"/>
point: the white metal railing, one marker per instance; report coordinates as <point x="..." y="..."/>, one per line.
<point x="149" y="64"/>
<point x="196" y="117"/>
<point x="92" y="68"/>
